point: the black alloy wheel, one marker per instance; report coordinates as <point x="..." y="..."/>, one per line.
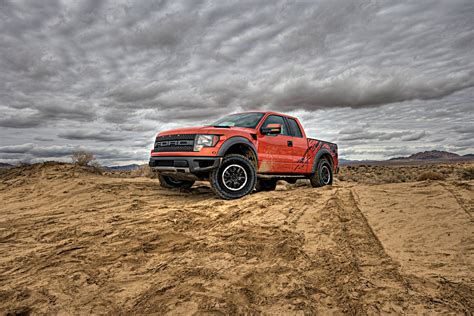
<point x="323" y="175"/>
<point x="235" y="177"/>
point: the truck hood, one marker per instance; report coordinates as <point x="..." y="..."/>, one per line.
<point x="206" y="130"/>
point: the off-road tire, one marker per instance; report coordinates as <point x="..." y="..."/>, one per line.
<point x="266" y="185"/>
<point x="237" y="163"/>
<point x="320" y="177"/>
<point x="170" y="183"/>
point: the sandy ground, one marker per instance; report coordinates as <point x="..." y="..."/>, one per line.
<point x="75" y="242"/>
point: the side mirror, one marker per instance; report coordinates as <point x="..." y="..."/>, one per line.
<point x="273" y="129"/>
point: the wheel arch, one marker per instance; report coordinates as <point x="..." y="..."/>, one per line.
<point x="240" y="145"/>
<point x="322" y="154"/>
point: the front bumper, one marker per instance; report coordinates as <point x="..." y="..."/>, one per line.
<point x="180" y="164"/>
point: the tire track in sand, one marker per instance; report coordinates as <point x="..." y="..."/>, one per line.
<point x="349" y="263"/>
<point x="466" y="206"/>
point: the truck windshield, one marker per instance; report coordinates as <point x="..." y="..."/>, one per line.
<point x="249" y="120"/>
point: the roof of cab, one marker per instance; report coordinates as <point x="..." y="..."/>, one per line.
<point x="265" y="112"/>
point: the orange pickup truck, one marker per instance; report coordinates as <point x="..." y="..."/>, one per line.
<point x="243" y="152"/>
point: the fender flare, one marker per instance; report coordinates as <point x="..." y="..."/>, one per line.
<point x="234" y="141"/>
<point x="318" y="157"/>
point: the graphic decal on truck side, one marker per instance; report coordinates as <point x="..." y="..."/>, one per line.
<point x="313" y="146"/>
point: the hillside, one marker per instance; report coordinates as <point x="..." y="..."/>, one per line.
<point x="74" y="241"/>
<point x="432" y="154"/>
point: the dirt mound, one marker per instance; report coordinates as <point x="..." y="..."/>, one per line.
<point x="46" y="171"/>
<point x="74" y="241"/>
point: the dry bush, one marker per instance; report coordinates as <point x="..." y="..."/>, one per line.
<point x="82" y="158"/>
<point x="430" y="175"/>
<point x="142" y="171"/>
<point x="365" y="174"/>
<point x="467" y="173"/>
<point x="97" y="168"/>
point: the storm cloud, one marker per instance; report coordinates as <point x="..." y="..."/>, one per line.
<point x="106" y="76"/>
<point x="90" y="135"/>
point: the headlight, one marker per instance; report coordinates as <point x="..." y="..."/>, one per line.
<point x="205" y="141"/>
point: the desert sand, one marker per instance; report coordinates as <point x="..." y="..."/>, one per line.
<point x="74" y="241"/>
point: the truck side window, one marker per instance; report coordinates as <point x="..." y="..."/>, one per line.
<point x="295" y="128"/>
<point x="275" y="119"/>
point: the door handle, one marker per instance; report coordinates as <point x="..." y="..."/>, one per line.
<point x="290" y="143"/>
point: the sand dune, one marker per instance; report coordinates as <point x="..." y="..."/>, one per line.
<point x="75" y="241"/>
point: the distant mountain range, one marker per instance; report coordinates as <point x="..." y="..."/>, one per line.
<point x="344" y="162"/>
<point x="5" y="165"/>
<point x="429" y="155"/>
<point x="432" y="155"/>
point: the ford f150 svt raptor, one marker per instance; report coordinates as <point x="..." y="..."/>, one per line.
<point x="242" y="152"/>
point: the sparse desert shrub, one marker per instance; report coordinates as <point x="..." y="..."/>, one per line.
<point x="467" y="173"/>
<point x="401" y="178"/>
<point x="142" y="171"/>
<point x="82" y="158"/>
<point x="430" y="175"/>
<point x="97" y="167"/>
<point x="405" y="173"/>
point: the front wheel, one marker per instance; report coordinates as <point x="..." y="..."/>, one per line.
<point x="172" y="183"/>
<point x="235" y="177"/>
<point x="323" y="175"/>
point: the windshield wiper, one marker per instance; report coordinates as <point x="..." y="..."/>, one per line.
<point x="220" y="126"/>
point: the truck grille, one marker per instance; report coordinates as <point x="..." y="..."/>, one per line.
<point x="175" y="143"/>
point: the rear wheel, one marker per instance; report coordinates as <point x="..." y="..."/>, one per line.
<point x="266" y="185"/>
<point x="172" y="183"/>
<point x="323" y="175"/>
<point x="235" y="177"/>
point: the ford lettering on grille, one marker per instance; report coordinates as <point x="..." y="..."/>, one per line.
<point x="175" y="143"/>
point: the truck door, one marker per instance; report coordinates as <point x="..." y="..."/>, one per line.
<point x="299" y="148"/>
<point x="275" y="151"/>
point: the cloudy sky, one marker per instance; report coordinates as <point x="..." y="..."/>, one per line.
<point x="380" y="78"/>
